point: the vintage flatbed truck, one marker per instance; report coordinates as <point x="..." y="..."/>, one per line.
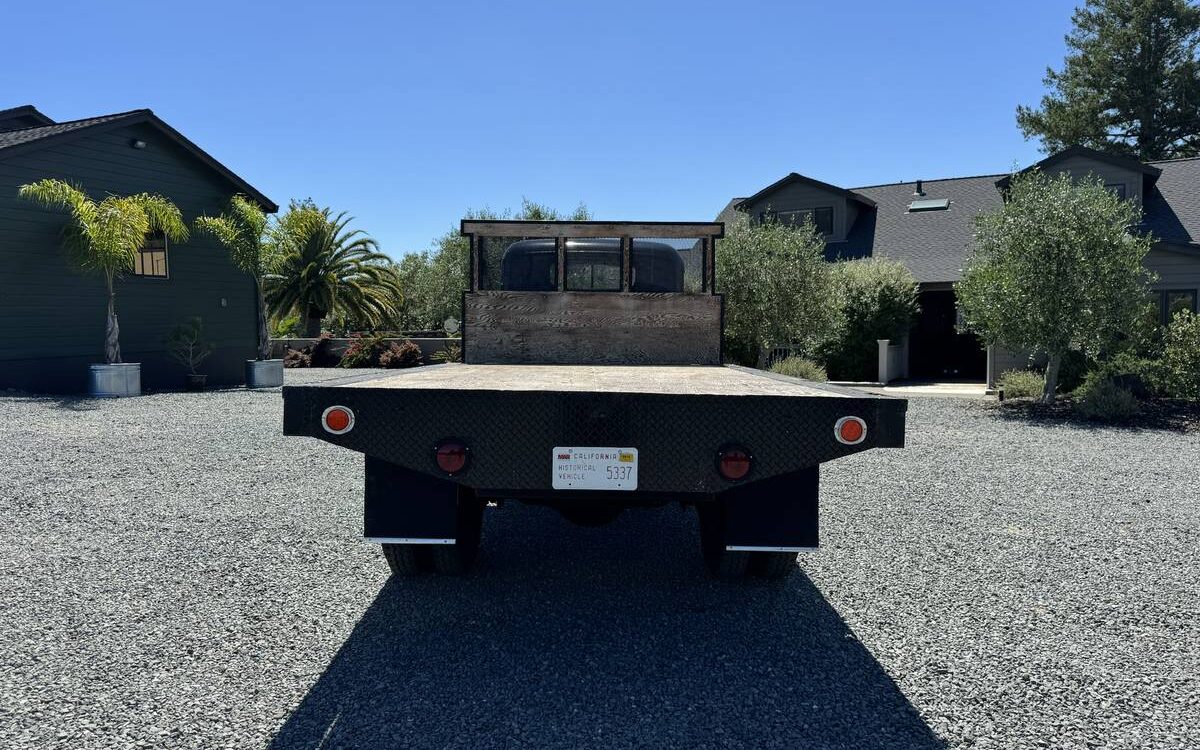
<point x="592" y="381"/>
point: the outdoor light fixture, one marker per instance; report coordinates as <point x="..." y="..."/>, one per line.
<point x="138" y="143"/>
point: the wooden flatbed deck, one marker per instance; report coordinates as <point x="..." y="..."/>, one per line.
<point x="668" y="380"/>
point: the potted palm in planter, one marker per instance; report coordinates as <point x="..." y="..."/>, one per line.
<point x="243" y="230"/>
<point x="188" y="347"/>
<point x="104" y="237"/>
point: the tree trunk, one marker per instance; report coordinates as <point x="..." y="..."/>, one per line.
<point x="312" y="323"/>
<point x="112" y="331"/>
<point x="1052" y="368"/>
<point x="264" y="338"/>
<point x="764" y="357"/>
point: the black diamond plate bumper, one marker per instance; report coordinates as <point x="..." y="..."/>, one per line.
<point x="511" y="433"/>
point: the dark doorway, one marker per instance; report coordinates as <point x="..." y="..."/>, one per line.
<point x="937" y="351"/>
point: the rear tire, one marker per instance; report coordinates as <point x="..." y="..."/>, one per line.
<point x="774" y="566"/>
<point x="406" y="560"/>
<point x="456" y="559"/>
<point x="720" y="562"/>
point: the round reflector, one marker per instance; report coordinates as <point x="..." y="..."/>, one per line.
<point x="734" y="463"/>
<point x="850" y="430"/>
<point x="451" y="456"/>
<point x="337" y="420"/>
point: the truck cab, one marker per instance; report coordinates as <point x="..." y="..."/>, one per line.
<point x="592" y="381"/>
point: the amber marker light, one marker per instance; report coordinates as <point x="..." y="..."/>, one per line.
<point x="337" y="420"/>
<point x="850" y="430"/>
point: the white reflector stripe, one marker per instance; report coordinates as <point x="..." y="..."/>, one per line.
<point x="405" y="540"/>
<point x="737" y="548"/>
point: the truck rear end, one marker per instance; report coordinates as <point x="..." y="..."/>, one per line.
<point x="593" y="402"/>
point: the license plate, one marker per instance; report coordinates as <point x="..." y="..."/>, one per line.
<point x="594" y="468"/>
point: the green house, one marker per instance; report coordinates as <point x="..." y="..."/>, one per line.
<point x="54" y="314"/>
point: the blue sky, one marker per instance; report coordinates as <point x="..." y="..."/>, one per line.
<point x="407" y="114"/>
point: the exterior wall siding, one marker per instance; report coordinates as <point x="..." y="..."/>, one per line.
<point x="57" y="313"/>
<point x="799" y="196"/>
<point x="1080" y="167"/>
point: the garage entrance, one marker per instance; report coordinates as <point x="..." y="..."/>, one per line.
<point x="937" y="351"/>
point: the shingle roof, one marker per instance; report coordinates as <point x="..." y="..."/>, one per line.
<point x="19" y="141"/>
<point x="28" y="135"/>
<point x="25" y="116"/>
<point x="933" y="245"/>
<point x="793" y="177"/>
<point x="1173" y="207"/>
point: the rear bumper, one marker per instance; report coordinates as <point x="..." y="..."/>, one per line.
<point x="511" y="433"/>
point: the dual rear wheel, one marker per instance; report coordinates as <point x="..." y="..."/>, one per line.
<point x="730" y="565"/>
<point x="445" y="559"/>
<point x="456" y="559"/>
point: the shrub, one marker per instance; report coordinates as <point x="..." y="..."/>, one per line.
<point x="317" y="354"/>
<point x="1102" y="399"/>
<point x="878" y="300"/>
<point x="187" y="346"/>
<point x="452" y="353"/>
<point x="296" y="358"/>
<point x="364" y="350"/>
<point x="1128" y="372"/>
<point x="321" y="352"/>
<point x="1178" y="374"/>
<point x="1022" y="384"/>
<point x="799" y="367"/>
<point x="402" y="354"/>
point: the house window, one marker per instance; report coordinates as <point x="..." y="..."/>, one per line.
<point x="1116" y="188"/>
<point x="151" y="259"/>
<point x="822" y="218"/>
<point x="1174" y="300"/>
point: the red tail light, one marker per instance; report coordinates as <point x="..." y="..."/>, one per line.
<point x="451" y="456"/>
<point x="734" y="463"/>
<point x="337" y="420"/>
<point x="850" y="430"/>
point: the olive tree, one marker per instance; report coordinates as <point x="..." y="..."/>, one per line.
<point x="779" y="291"/>
<point x="434" y="280"/>
<point x="1056" y="268"/>
<point x="878" y="300"/>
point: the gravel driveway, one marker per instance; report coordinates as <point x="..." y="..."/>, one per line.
<point x="174" y="573"/>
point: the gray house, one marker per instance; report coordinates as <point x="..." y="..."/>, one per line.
<point x="928" y="226"/>
<point x="55" y="315"/>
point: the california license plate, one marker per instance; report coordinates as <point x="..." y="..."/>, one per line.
<point x="595" y="469"/>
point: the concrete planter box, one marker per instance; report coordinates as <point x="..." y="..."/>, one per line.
<point x="113" y="381"/>
<point x="266" y="373"/>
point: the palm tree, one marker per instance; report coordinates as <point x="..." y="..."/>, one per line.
<point x="325" y="269"/>
<point x="104" y="237"/>
<point x="243" y="230"/>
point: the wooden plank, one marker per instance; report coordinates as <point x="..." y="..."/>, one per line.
<point x="581" y="229"/>
<point x="640" y="328"/>
<point x="667" y="379"/>
<point x="626" y="264"/>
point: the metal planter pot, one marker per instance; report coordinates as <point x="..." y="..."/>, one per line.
<point x="114" y="381"/>
<point x="264" y="373"/>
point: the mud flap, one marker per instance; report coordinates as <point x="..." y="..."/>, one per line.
<point x="774" y="514"/>
<point x="407" y="507"/>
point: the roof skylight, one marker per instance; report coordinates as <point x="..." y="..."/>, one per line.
<point x="929" y="204"/>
